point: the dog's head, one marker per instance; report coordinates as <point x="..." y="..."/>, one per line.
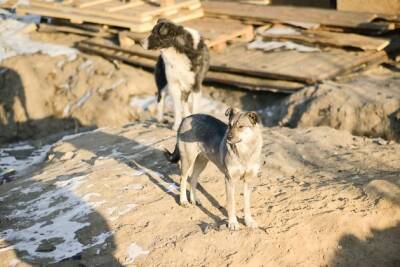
<point x="241" y="126"/>
<point x="168" y="34"/>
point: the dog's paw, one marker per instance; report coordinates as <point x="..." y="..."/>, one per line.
<point x="195" y="202"/>
<point x="233" y="225"/>
<point x="185" y="204"/>
<point x="251" y="223"/>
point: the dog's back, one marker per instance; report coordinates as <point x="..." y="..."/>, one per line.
<point x="202" y="134"/>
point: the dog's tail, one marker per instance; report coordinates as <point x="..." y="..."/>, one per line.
<point x="173" y="157"/>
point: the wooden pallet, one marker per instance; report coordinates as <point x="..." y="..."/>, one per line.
<point x="137" y="56"/>
<point x="137" y="15"/>
<point x="219" y="32"/>
<point x="291" y="65"/>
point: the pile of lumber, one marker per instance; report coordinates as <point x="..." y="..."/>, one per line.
<point x="372" y="22"/>
<point x="341" y="42"/>
<point x="137" y="56"/>
<point x="135" y="15"/>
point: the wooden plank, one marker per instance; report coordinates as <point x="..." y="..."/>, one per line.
<point x="76" y="15"/>
<point x="91" y="3"/>
<point x="381" y="6"/>
<point x="167" y="2"/>
<point x="124" y="6"/>
<point x="143" y="27"/>
<point x="288" y="14"/>
<point x="257" y="84"/>
<point x="335" y="39"/>
<point x="54" y="28"/>
<point x="138" y="14"/>
<point x="290" y="65"/>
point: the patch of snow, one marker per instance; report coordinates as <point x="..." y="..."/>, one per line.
<point x="7" y="161"/>
<point x="118" y="214"/>
<point x="57" y="213"/>
<point x="138" y="173"/>
<point x="73" y="136"/>
<point x="273" y="45"/>
<point x="134" y="187"/>
<point x="134" y="251"/>
<point x="33" y="189"/>
<point x="143" y="103"/>
<point x="281" y="31"/>
<point x="14" y="42"/>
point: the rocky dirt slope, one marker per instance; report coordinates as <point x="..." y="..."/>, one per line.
<point x="365" y="105"/>
<point x="41" y="95"/>
<point x="109" y="198"/>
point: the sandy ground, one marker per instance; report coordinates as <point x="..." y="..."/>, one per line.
<point x="109" y="198"/>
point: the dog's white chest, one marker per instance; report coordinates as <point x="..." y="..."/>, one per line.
<point x="178" y="69"/>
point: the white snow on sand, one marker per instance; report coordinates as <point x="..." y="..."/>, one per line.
<point x="14" y="41"/>
<point x="8" y="161"/>
<point x="134" y="251"/>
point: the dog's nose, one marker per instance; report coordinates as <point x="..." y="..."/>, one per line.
<point x="145" y="43"/>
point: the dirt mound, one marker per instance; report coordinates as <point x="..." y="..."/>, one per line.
<point x="366" y="105"/>
<point x="109" y="197"/>
<point x="40" y="95"/>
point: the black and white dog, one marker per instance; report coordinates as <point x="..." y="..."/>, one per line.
<point x="181" y="67"/>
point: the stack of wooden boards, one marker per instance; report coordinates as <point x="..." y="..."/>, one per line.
<point x="372" y="22"/>
<point x="342" y="46"/>
<point x="135" y="15"/>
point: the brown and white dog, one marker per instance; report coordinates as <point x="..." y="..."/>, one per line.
<point x="234" y="148"/>
<point x="181" y="67"/>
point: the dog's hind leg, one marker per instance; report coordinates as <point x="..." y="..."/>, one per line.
<point x="233" y="224"/>
<point x="187" y="165"/>
<point x="199" y="165"/>
<point x="248" y="219"/>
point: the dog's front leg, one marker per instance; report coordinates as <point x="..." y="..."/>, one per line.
<point x="176" y="96"/>
<point x="248" y="219"/>
<point x="196" y="99"/>
<point x="233" y="224"/>
<point x="161" y="104"/>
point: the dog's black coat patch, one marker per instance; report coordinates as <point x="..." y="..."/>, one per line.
<point x="160" y="77"/>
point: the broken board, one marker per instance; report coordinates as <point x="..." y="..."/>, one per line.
<point x="287" y="14"/>
<point x="137" y="15"/>
<point x="337" y="39"/>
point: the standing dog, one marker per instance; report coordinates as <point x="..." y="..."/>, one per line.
<point x="181" y="67"/>
<point x="234" y="148"/>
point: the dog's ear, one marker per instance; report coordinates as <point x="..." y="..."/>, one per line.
<point x="162" y="20"/>
<point x="253" y="117"/>
<point x="180" y="40"/>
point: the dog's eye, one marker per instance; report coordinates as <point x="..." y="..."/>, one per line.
<point x="240" y="126"/>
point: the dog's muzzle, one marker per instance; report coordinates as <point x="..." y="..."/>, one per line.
<point x="145" y="43"/>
